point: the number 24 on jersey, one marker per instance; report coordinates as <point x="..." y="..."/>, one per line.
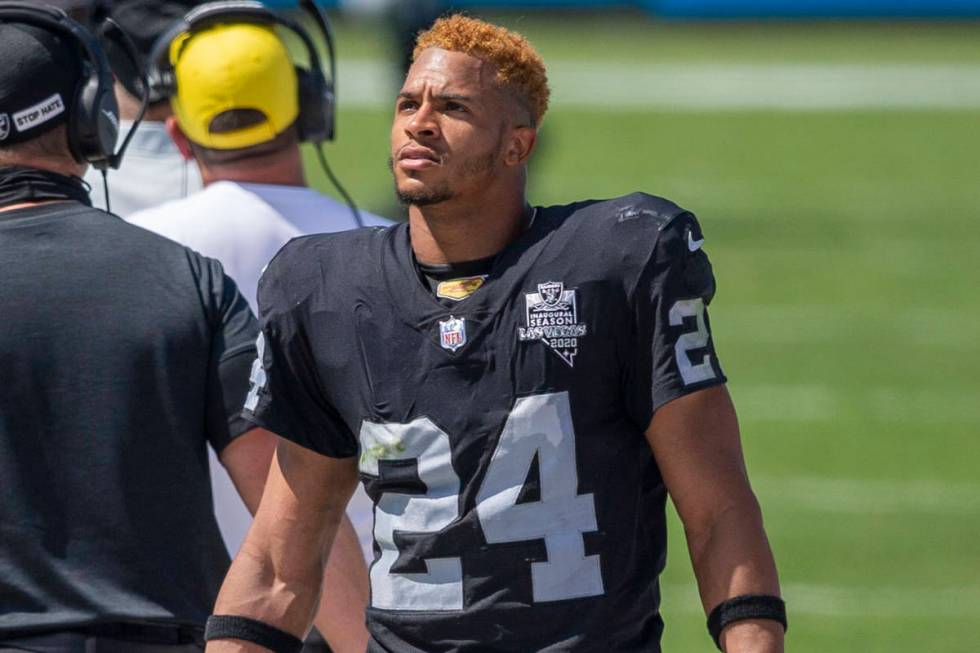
<point x="538" y="426"/>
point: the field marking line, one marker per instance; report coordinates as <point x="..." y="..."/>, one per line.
<point x="768" y="86"/>
<point x="870" y="496"/>
<point x="840" y="601"/>
<point x="943" y="328"/>
<point x="819" y="402"/>
<point x="634" y="86"/>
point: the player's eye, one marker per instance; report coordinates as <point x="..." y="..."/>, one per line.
<point x="407" y="105"/>
<point x="455" y="107"/>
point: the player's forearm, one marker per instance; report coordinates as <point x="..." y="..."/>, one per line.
<point x="281" y="592"/>
<point x="732" y="558"/>
<point x="277" y="574"/>
<point x="340" y="617"/>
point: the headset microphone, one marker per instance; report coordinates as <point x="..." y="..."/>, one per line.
<point x="111" y="31"/>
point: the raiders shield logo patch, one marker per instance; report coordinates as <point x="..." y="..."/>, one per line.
<point x="452" y="333"/>
<point x="551" y="316"/>
<point x="4" y="126"/>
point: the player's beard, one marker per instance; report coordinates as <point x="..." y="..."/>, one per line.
<point x="427" y="196"/>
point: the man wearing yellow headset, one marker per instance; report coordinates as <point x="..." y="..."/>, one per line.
<point x="238" y="115"/>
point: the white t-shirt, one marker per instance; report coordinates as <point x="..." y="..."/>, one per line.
<point x="152" y="172"/>
<point x="243" y="226"/>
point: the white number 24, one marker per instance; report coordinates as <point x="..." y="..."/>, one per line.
<point x="691" y="372"/>
<point x="539" y="427"/>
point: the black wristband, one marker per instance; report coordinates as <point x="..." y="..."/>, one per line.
<point x="251" y="630"/>
<point x="748" y="606"/>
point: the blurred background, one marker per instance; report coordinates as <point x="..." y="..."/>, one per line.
<point x="831" y="149"/>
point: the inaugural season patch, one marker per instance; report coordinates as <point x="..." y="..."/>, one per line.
<point x="552" y="318"/>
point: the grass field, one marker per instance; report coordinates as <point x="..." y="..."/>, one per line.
<point x="847" y="248"/>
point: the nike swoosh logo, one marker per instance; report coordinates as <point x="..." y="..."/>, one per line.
<point x="693" y="245"/>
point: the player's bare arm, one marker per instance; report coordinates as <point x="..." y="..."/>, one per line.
<point x="341" y="615"/>
<point x="276" y="577"/>
<point x="695" y="440"/>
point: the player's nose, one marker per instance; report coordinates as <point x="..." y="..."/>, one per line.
<point x="423" y="123"/>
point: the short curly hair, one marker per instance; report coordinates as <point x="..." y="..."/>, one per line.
<point x="519" y="66"/>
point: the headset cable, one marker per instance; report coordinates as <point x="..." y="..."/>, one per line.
<point x="340" y="188"/>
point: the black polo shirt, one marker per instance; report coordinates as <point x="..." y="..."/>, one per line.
<point x="122" y="355"/>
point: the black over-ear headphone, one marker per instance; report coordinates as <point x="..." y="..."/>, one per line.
<point x="93" y="115"/>
<point x="316" y="92"/>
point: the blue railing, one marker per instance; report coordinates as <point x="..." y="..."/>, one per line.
<point x="815" y="8"/>
<point x="740" y="8"/>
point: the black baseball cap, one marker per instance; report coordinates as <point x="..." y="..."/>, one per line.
<point x="39" y="77"/>
<point x="144" y="21"/>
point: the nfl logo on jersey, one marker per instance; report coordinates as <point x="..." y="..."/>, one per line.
<point x="452" y="333"/>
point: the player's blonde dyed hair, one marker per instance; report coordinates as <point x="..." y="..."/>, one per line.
<point x="518" y="64"/>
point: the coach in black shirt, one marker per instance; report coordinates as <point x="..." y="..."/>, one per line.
<point x="122" y="355"/>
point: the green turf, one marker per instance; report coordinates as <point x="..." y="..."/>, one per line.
<point x="846" y="247"/>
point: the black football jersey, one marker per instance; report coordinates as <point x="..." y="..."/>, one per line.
<point x="518" y="506"/>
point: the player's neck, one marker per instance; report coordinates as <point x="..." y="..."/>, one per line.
<point x="454" y="231"/>
<point x="129" y="107"/>
<point x="279" y="169"/>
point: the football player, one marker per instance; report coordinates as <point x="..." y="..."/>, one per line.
<point x="518" y="388"/>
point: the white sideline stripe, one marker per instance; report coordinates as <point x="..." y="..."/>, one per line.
<point x="867" y="497"/>
<point x="762" y="86"/>
<point x="942" y="328"/>
<point x="707" y="86"/>
<point x="794" y="403"/>
<point x="818" y="402"/>
<point x="838" y="601"/>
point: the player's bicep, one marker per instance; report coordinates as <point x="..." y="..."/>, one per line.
<point x="247" y="459"/>
<point x="311" y="482"/>
<point x="695" y="440"/>
<point x="304" y="500"/>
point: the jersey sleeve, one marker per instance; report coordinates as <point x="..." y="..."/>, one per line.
<point x="233" y="333"/>
<point x="673" y="351"/>
<point x="286" y="395"/>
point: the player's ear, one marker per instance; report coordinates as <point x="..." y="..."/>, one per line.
<point x="179" y="138"/>
<point x="521" y="145"/>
